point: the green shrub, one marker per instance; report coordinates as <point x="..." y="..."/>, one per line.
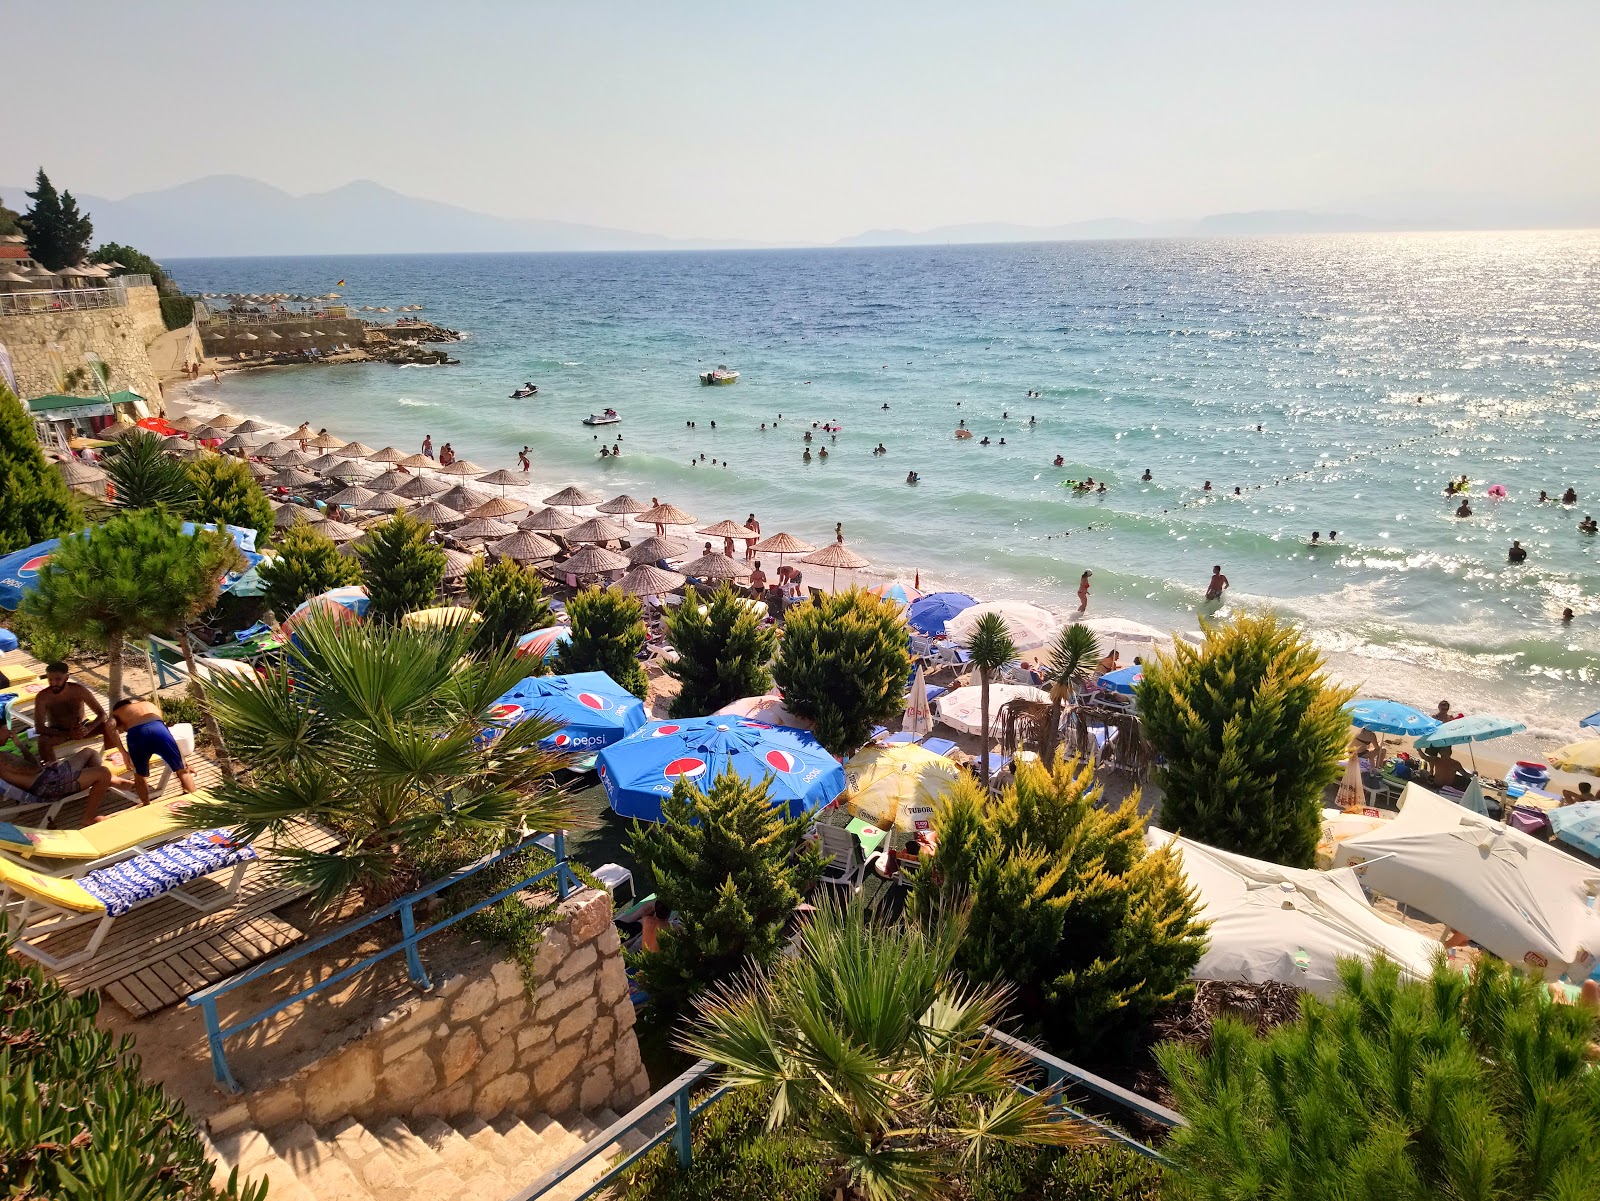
<point x="41" y="640"/>
<point x="306" y="565"/>
<point x="1064" y="903"/>
<point x="225" y="493"/>
<point x="509" y="598"/>
<point x="1412" y="1091"/>
<point x="143" y="475"/>
<point x="401" y="569"/>
<point x="723" y="653"/>
<point x="731" y="867"/>
<point x="78" y="1121"/>
<point x="607" y="635"/>
<point x="843" y="663"/>
<point x="1103" y="1173"/>
<point x="178" y="709"/>
<point x="35" y="502"/>
<point x="177" y="311"/>
<point x="1251" y="735"/>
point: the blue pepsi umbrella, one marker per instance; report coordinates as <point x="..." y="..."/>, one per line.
<point x="643" y="768"/>
<point x="1476" y="727"/>
<point x="593" y="709"/>
<point x="19" y="571"/>
<point x="931" y="612"/>
<point x="1592" y="720"/>
<point x="1123" y="680"/>
<point x="1390" y="717"/>
<point x="1578" y="825"/>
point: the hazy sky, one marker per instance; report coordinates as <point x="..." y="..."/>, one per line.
<point x="810" y="121"/>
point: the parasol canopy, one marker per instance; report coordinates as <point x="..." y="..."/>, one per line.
<point x="646" y="579"/>
<point x="1031" y="627"/>
<point x="385" y="502"/>
<point x="768" y="708"/>
<point x="271" y="450"/>
<point x="897" y="590"/>
<point x="188" y="424"/>
<point x="715" y="566"/>
<point x="933" y="612"/>
<point x="1578" y="825"/>
<point x="238" y="442"/>
<point x="463" y="499"/>
<point x="389" y="454"/>
<point x="289" y="515"/>
<point x="656" y="548"/>
<point x="503" y="477"/>
<point x="354" y="496"/>
<point x="572" y="497"/>
<point x="324" y="441"/>
<point x="1389" y="717"/>
<point x="252" y="427"/>
<point x="727" y="529"/>
<point x="419" y="487"/>
<point x="77" y="473"/>
<point x="326" y="463"/>
<point x="594" y="560"/>
<point x="622" y="506"/>
<point x="642" y="769"/>
<point x="835" y="555"/>
<point x="293" y="458"/>
<point x="356" y="450"/>
<point x="782" y="544"/>
<point x="1476" y="727"/>
<point x="525" y="547"/>
<point x="593" y="710"/>
<point x="898" y="786"/>
<point x="457" y="563"/>
<point x="462" y="467"/>
<point x="418" y="462"/>
<point x="303" y="432"/>
<point x="388" y="481"/>
<point x="548" y="521"/>
<point x="349" y="470"/>
<point x="484" y="528"/>
<point x="291" y="477"/>
<point x="499" y="506"/>
<point x="665" y="514"/>
<point x="596" y="529"/>
<point x="436" y="514"/>
<point x="345" y="604"/>
<point x="1581" y="757"/>
<point x="341" y="531"/>
<point x="962" y="709"/>
<point x="541" y="644"/>
<point x="440" y="615"/>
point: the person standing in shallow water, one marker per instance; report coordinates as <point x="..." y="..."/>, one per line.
<point x="1083" y="591"/>
<point x="1217" y="585"/>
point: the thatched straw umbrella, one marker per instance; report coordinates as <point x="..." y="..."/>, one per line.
<point x="326" y="463"/>
<point x="80" y="475"/>
<point x="252" y="427"/>
<point x="238" y="442"/>
<point x="457" y="563"/>
<point x="292" y="477"/>
<point x="292" y="458"/>
<point x="325" y="442"/>
<point x="622" y="506"/>
<point x="385" y="502"/>
<point x="355" y="496"/>
<point x="227" y="420"/>
<point x="436" y="514"/>
<point x="389" y="454"/>
<point x="349" y="471"/>
<point x="594" y="560"/>
<point x="664" y="515"/>
<point x="419" y="487"/>
<point x="646" y="579"/>
<point x="715" y="566"/>
<point x="484" y="529"/>
<point x="728" y="529"/>
<point x="186" y="423"/>
<point x="462" y="467"/>
<point x="836" y="555"/>
<point x="655" y="549"/>
<point x="525" y="547"/>
<point x="547" y="521"/>
<point x="176" y="445"/>
<point x="503" y="478"/>
<point x="418" y="462"/>
<point x="463" y="499"/>
<point x="288" y="515"/>
<point x="387" y="481"/>
<point x="782" y="544"/>
<point x="260" y="471"/>
<point x="500" y="506"/>
<point x="278" y="446"/>
<point x="341" y="531"/>
<point x="572" y="497"/>
<point x="208" y="432"/>
<point x="596" y="529"/>
<point x="356" y="450"/>
<point x="303" y="432"/>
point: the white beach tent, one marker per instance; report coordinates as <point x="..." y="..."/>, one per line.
<point x="1286" y="924"/>
<point x="1518" y="897"/>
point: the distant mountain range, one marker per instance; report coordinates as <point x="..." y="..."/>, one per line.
<point x="228" y="215"/>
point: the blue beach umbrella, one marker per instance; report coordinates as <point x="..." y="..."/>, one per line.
<point x="19" y="571"/>
<point x="643" y="768"/>
<point x="1578" y="825"/>
<point x="1390" y="717"/>
<point x="593" y="709"/>
<point x="1123" y="680"/>
<point x="542" y="643"/>
<point x="1478" y="727"/>
<point x="931" y="612"/>
<point x="1592" y="720"/>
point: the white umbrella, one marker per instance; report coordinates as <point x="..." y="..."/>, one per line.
<point x="768" y="708"/>
<point x="961" y="707"/>
<point x="1031" y="627"/>
<point x="918" y="719"/>
<point x="1519" y="897"/>
<point x="1114" y="630"/>
<point x="1286" y="924"/>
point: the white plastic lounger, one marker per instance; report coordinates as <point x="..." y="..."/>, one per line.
<point x="38" y="906"/>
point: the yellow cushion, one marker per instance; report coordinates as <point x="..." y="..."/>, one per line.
<point x="17" y="673"/>
<point x="116" y="834"/>
<point x="64" y="894"/>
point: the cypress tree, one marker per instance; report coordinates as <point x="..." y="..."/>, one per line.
<point x="607" y="635"/>
<point x="730" y="867"/>
<point x="307" y="564"/>
<point x="58" y="234"/>
<point x="400" y="567"/>
<point x="723" y="653"/>
<point x="227" y="494"/>
<point x="509" y="598"/>
<point x="844" y="662"/>
<point x="1065" y="903"/>
<point x="35" y="502"/>
<point x="1251" y="734"/>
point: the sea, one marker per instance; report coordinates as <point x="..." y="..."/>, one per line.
<point x="1326" y="383"/>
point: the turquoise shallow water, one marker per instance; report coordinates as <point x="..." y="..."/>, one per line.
<point x="1377" y="366"/>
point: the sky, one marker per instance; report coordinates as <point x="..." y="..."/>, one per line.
<point x="808" y="122"/>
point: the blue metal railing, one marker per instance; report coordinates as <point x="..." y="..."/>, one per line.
<point x="1059" y="1074"/>
<point x="206" y="999"/>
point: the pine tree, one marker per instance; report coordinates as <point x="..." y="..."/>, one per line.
<point x="1251" y="734"/>
<point x="35" y="502"/>
<point x="10" y="220"/>
<point x="509" y="598"/>
<point x="401" y="569"/>
<point x="58" y="235"/>
<point x="723" y="653"/>
<point x="307" y="564"/>
<point x="134" y="262"/>
<point x="607" y="635"/>
<point x="1065" y="903"/>
<point x="137" y="574"/>
<point x="225" y="493"/>
<point x="730" y="867"/>
<point x="844" y="662"/>
<point x="143" y="475"/>
<point x="1401" y="1090"/>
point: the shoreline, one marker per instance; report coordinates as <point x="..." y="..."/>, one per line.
<point x="1423" y="687"/>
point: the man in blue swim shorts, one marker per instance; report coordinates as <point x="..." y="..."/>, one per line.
<point x="147" y="736"/>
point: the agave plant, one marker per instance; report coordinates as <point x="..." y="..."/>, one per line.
<point x="1072" y="660"/>
<point x="383" y="734"/>
<point x="874" y="1049"/>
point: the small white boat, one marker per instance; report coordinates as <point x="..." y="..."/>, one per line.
<point x="609" y="417"/>
<point x="720" y="376"/>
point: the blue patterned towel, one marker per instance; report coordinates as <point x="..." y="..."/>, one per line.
<point x="123" y="885"/>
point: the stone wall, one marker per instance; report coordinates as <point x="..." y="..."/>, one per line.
<point x="482" y="1044"/>
<point x="46" y="344"/>
<point x="226" y="337"/>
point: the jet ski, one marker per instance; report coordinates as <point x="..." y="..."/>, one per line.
<point x="525" y="391"/>
<point x="609" y="417"/>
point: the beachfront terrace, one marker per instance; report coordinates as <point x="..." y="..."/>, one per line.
<point x="58" y="300"/>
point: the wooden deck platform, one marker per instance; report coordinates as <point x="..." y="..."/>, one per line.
<point x="158" y="954"/>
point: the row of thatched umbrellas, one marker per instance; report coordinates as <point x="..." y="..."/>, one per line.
<point x="469" y="515"/>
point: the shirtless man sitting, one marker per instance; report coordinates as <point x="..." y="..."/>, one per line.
<point x="147" y="735"/>
<point x="57" y="778"/>
<point x="59" y="711"/>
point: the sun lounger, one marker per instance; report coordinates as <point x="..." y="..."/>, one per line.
<point x="939" y="746"/>
<point x="77" y="852"/>
<point x="38" y="906"/>
<point x="900" y="738"/>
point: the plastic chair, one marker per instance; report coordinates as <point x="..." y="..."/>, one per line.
<point x="845" y="865"/>
<point x="614" y="876"/>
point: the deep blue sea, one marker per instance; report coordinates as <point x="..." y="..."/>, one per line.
<point x="1376" y="367"/>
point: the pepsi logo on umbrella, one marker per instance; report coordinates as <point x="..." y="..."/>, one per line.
<point x="664" y="731"/>
<point x="687" y="768"/>
<point x="33" y="566"/>
<point x="592" y="701"/>
<point x="505" y="713"/>
<point x="780" y="760"/>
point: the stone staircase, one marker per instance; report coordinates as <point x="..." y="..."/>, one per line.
<point x="413" y="1159"/>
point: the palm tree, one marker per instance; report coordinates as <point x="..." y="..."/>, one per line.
<point x="1072" y="661"/>
<point x="872" y="1045"/>
<point x="384" y="734"/>
<point x="990" y="648"/>
<point x="144" y="476"/>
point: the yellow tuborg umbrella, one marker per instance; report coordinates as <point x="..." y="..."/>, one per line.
<point x="885" y="782"/>
<point x="444" y="615"/>
<point x="1578" y="756"/>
